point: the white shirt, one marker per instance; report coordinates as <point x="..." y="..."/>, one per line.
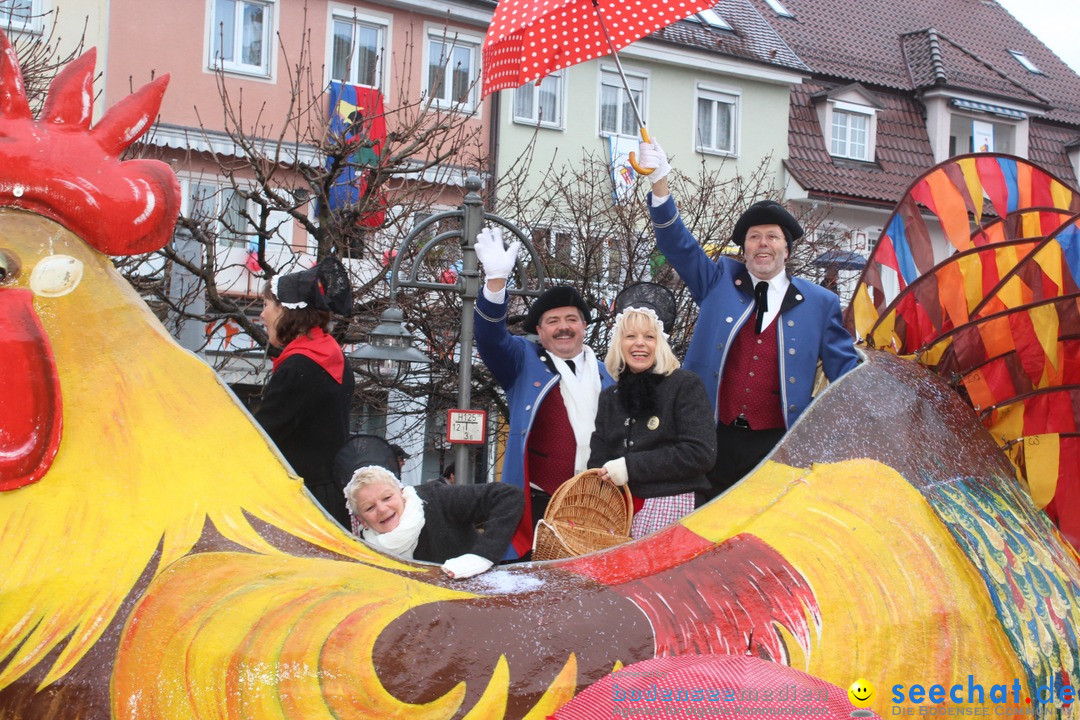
<point x="778" y="287"/>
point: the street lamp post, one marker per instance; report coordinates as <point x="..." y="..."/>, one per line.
<point x="390" y="345"/>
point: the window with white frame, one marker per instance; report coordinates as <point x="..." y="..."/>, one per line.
<point x="241" y="36"/>
<point x="453" y="63"/>
<point x="21" y="15"/>
<point x="1026" y="62"/>
<point x="778" y="8"/>
<point x="616" y="112"/>
<point x="541" y="103"/>
<point x="221" y="208"/>
<point x="711" y="18"/>
<point x="358" y="45"/>
<point x="717" y="113"/>
<point x="850" y="134"/>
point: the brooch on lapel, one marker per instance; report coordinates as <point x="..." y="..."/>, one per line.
<point x="653" y="423"/>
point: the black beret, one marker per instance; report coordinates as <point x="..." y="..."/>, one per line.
<point x="767" y="212"/>
<point x="556" y="297"/>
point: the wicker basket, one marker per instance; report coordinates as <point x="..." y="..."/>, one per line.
<point x="585" y="514"/>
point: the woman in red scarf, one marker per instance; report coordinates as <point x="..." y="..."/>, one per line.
<point x="305" y="405"/>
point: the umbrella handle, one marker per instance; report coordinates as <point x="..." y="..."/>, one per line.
<point x="633" y="160"/>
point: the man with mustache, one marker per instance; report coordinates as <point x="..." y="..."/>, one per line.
<point x="760" y="332"/>
<point x="552" y="388"/>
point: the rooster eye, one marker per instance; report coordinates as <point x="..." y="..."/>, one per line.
<point x="9" y="266"/>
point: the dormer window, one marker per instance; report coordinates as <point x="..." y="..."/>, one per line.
<point x="710" y="18"/>
<point x="778" y="8"/>
<point x="848" y="119"/>
<point x="1023" y="60"/>
<point x="982" y="127"/>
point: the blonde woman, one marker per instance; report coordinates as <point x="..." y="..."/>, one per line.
<point x="653" y="430"/>
<point x="436" y="522"/>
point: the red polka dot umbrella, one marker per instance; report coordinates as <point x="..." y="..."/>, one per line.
<point x="734" y="687"/>
<point x="528" y="39"/>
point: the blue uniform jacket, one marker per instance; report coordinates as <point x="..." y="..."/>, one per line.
<point x="809" y="326"/>
<point x="523" y="371"/>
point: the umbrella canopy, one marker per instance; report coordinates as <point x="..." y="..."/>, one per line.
<point x="732" y="686"/>
<point x="528" y="39"/>
<point x="841" y="260"/>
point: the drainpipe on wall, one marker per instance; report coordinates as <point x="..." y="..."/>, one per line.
<point x="493" y="151"/>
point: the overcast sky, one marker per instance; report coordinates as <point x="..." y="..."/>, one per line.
<point x="1055" y="22"/>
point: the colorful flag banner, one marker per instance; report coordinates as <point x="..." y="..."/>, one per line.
<point x="622" y="175"/>
<point x="357" y="117"/>
<point x="999" y="317"/>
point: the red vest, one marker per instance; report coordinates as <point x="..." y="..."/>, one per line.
<point x="750" y="385"/>
<point x="550" y="451"/>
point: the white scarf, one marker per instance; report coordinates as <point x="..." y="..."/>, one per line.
<point x="581" y="395"/>
<point x="402" y="540"/>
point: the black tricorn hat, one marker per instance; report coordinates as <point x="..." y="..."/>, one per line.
<point x="323" y="287"/>
<point x="649" y="295"/>
<point x="767" y="212"/>
<point x="556" y="297"/>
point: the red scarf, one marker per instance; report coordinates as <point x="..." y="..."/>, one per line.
<point x="321" y="348"/>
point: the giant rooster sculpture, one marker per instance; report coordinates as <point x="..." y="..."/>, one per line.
<point x="159" y="560"/>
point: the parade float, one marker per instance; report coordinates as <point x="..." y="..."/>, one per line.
<point x="158" y="559"/>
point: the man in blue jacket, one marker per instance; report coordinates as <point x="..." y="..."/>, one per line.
<point x="760" y="332"/>
<point x="552" y="388"/>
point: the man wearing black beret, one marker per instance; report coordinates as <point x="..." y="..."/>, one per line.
<point x="760" y="332"/>
<point x="552" y="387"/>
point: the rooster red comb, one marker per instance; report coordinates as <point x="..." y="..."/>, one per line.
<point x="60" y="167"/>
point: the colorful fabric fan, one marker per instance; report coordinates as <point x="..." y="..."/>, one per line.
<point x="999" y="316"/>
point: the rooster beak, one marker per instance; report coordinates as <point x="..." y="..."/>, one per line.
<point x="30" y="403"/>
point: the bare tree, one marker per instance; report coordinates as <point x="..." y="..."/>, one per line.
<point x="600" y="246"/>
<point x="286" y="163"/>
<point x="283" y="167"/>
<point x="40" y="54"/>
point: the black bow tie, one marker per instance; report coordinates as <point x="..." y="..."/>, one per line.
<point x="761" y="303"/>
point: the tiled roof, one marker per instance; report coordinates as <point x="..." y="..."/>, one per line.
<point x="903" y="150"/>
<point x="750" y="37"/>
<point x="897" y="51"/>
<point x="934" y="60"/>
<point x="1047" y="145"/>
<point x="865" y="41"/>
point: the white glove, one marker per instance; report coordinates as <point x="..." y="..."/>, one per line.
<point x="497" y="261"/>
<point x="616" y="470"/>
<point x="465" y="566"/>
<point x="651" y="155"/>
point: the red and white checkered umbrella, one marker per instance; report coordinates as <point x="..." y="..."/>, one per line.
<point x="528" y="39"/>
